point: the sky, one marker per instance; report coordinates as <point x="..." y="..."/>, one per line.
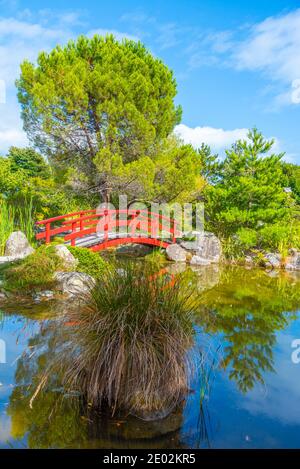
<point x="237" y="64"/>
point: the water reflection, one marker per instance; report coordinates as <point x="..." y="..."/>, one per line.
<point x="246" y="323"/>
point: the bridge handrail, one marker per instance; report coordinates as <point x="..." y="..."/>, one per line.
<point x="88" y="219"/>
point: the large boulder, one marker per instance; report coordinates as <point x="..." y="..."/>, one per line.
<point x="69" y="261"/>
<point x="176" y="253"/>
<point x="74" y="283"/>
<point x="206" y="245"/>
<point x="17" y="246"/>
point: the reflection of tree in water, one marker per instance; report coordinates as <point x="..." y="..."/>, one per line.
<point x="248" y="308"/>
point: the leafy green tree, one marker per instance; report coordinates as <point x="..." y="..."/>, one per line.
<point x="249" y="196"/>
<point x="96" y="105"/>
<point x="31" y="162"/>
<point x="292" y="175"/>
<point x="171" y="175"/>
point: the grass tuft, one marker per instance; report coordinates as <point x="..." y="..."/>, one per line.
<point x="129" y="343"/>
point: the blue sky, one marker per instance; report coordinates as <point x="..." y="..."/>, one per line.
<point x="237" y="63"/>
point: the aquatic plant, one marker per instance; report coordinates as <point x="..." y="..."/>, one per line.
<point x="129" y="345"/>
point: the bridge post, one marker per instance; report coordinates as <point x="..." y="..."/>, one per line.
<point x="73" y="241"/>
<point x="48" y="235"/>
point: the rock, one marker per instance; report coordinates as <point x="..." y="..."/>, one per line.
<point x="135" y="250"/>
<point x="206" y="245"/>
<point x="74" y="283"/>
<point x="43" y="295"/>
<point x="69" y="261"/>
<point x="2" y="296"/>
<point x="176" y="253"/>
<point x="17" y="246"/>
<point x="272" y="260"/>
<point x="197" y="260"/>
<point x="293" y="261"/>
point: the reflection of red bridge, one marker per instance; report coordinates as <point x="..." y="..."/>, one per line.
<point x="100" y="229"/>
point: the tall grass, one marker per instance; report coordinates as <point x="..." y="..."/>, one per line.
<point x="129" y="344"/>
<point x="15" y="218"/>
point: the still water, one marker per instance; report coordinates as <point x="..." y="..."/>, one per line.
<point x="247" y="323"/>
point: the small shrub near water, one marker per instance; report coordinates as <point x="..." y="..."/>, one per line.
<point x="89" y="262"/>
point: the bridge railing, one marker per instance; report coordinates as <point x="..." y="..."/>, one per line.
<point x="138" y="223"/>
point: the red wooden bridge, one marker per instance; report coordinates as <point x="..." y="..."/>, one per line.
<point x="100" y="229"/>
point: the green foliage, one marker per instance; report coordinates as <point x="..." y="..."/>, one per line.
<point x="89" y="262"/>
<point x="136" y="334"/>
<point x="280" y="235"/>
<point x="97" y="104"/>
<point x="31" y="162"/>
<point x="33" y="273"/>
<point x="249" y="197"/>
<point x="292" y="178"/>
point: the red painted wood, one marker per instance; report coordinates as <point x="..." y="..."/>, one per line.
<point x="118" y="241"/>
<point x="144" y="227"/>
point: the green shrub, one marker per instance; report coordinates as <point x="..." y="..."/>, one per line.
<point x="33" y="273"/>
<point x="280" y="235"/>
<point x="89" y="262"/>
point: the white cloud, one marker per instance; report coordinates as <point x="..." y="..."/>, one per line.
<point x="218" y="139"/>
<point x="273" y="47"/>
<point x="270" y="47"/>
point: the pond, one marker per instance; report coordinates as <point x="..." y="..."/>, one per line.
<point x="247" y="322"/>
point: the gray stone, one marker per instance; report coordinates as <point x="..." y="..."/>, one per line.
<point x="17" y="246"/>
<point x="69" y="261"/>
<point x="293" y="262"/>
<point x="273" y="260"/>
<point x="197" y="260"/>
<point x="206" y="245"/>
<point x="74" y="283"/>
<point x="176" y="253"/>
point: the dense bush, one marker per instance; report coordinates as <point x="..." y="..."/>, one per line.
<point x="89" y="262"/>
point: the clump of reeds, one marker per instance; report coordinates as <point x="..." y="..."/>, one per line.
<point x="15" y="218"/>
<point x="129" y="342"/>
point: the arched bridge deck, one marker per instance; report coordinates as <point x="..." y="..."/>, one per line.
<point x="101" y="229"/>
